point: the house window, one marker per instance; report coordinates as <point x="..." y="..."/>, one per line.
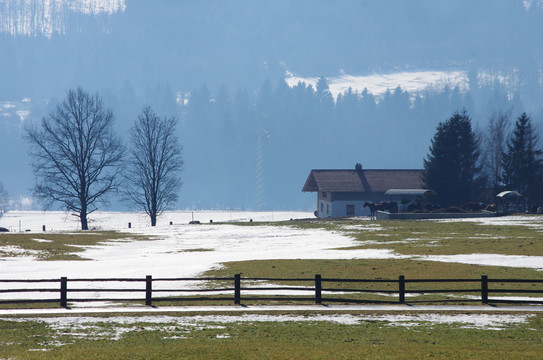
<point x="328" y="208"/>
<point x="350" y="210"/>
<point x="322" y="207"/>
<point x="323" y="194"/>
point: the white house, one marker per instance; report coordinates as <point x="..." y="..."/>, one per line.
<point x="344" y="192"/>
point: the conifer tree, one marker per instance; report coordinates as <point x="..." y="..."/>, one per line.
<point x="523" y="161"/>
<point x="451" y="166"/>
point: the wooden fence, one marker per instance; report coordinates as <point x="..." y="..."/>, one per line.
<point x="318" y="290"/>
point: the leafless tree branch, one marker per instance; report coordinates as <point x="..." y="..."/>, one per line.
<point x="155" y="163"/>
<point x="75" y="154"/>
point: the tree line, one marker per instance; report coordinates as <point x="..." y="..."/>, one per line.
<point x="78" y="160"/>
<point x="463" y="165"/>
<point x="239" y="146"/>
<point x="251" y="139"/>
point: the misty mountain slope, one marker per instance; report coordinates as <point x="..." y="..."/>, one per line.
<point x="249" y="137"/>
<point x="241" y="42"/>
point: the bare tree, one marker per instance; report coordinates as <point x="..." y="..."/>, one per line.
<point x="75" y="154"/>
<point x="495" y="140"/>
<point x="153" y="176"/>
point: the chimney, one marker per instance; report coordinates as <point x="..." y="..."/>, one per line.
<point x="358" y="167"/>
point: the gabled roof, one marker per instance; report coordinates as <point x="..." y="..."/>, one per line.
<point x="362" y="180"/>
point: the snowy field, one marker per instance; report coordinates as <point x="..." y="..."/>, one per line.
<point x="173" y="253"/>
<point x="183" y="250"/>
<point x="33" y="221"/>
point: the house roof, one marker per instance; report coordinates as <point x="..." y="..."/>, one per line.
<point x="362" y="180"/>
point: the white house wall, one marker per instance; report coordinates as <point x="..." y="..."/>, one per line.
<point x="325" y="209"/>
<point x="339" y="208"/>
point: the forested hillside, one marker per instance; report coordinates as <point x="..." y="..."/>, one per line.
<point x="249" y="138"/>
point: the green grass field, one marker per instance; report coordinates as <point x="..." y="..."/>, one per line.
<point x="439" y="238"/>
<point x="369" y="338"/>
<point x="372" y="338"/>
<point x="58" y="246"/>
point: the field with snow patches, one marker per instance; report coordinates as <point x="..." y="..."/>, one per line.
<point x="182" y="250"/>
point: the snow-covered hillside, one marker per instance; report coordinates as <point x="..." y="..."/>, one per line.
<point x="46" y="17"/>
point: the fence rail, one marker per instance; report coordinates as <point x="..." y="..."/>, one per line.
<point x="152" y="292"/>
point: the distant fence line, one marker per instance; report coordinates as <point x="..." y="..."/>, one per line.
<point x="152" y="295"/>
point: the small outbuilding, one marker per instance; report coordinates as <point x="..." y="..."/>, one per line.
<point x="344" y="192"/>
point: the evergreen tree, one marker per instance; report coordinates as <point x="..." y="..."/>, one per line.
<point x="451" y="166"/>
<point x="523" y="161"/>
<point x="325" y="105"/>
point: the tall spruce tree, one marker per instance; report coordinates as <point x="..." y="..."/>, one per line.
<point x="523" y="161"/>
<point x="451" y="167"/>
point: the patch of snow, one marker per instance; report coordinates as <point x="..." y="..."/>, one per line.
<point x="378" y="84"/>
<point x="508" y="298"/>
<point x="13" y="252"/>
<point x="368" y="227"/>
<point x="115" y="327"/>
<point x="43" y="240"/>
<point x="23" y="114"/>
<point x="110" y="220"/>
<point x="521" y="261"/>
<point x="531" y="221"/>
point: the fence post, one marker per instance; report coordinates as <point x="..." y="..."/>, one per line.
<point x="148" y="290"/>
<point x="64" y="292"/>
<point x="318" y="289"/>
<point x="484" y="289"/>
<point x="401" y="284"/>
<point x="237" y="289"/>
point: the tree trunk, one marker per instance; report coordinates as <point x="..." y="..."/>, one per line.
<point x="83" y="217"/>
<point x="153" y="209"/>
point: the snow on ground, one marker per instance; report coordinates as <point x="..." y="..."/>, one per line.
<point x="171" y="255"/>
<point x="82" y="325"/>
<point x="534" y="262"/>
<point x="532" y="221"/>
<point x="34" y="221"/>
<point x="89" y="325"/>
<point x="378" y="84"/>
<point x="182" y="250"/>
